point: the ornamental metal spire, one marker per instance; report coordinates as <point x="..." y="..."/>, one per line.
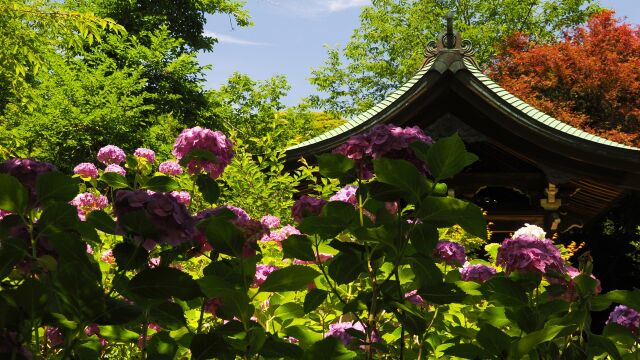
<point x="450" y="41"/>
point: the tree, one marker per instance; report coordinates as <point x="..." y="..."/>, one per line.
<point x="590" y="79"/>
<point x="387" y="48"/>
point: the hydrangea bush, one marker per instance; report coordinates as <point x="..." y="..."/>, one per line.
<point x="148" y="262"/>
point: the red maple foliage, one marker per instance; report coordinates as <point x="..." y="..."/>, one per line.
<point x="590" y="79"/>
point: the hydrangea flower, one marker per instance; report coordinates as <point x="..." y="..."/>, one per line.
<point x="115" y="168"/>
<point x="87" y="202"/>
<point x="530" y="231"/>
<point x="4" y="213"/>
<point x="172" y="222"/>
<point x="170" y="168"/>
<point x="204" y="139"/>
<point x="383" y="140"/>
<point x="262" y="272"/>
<point x="415" y="298"/>
<point x="270" y="221"/>
<point x="346" y="194"/>
<point x="107" y="256"/>
<point x="279" y="235"/>
<point x="253" y="230"/>
<point x="111" y="154"/>
<point x="320" y="258"/>
<point x="145" y="153"/>
<point x="339" y="330"/>
<point x="450" y="253"/>
<point x="86" y="170"/>
<point x="305" y="206"/>
<point x="212" y="305"/>
<point x="183" y="197"/>
<point x="571" y="293"/>
<point x="54" y="336"/>
<point x="627" y="317"/>
<point x="478" y="273"/>
<point x="27" y="172"/>
<point x="94" y="329"/>
<point x="530" y="254"/>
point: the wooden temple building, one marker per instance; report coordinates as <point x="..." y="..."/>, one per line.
<point x="533" y="168"/>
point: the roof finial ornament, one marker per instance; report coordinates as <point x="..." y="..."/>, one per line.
<point x="449" y="39"/>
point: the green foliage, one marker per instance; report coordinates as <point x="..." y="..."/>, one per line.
<point x="387" y="49"/>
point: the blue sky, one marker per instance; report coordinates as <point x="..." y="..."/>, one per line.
<point x="289" y="38"/>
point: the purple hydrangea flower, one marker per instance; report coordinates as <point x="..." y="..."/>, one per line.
<point x="320" y="258"/>
<point x="145" y="153"/>
<point x="415" y="298"/>
<point x="111" y="154"/>
<point x="212" y="305"/>
<point x="4" y="213"/>
<point x="627" y="317"/>
<point x="170" y="168"/>
<point x="305" y="206"/>
<point x="279" y="235"/>
<point x="87" y="202"/>
<point x="115" y="168"/>
<point x="54" y="336"/>
<point x="262" y="272"/>
<point x="183" y="197"/>
<point x="270" y="221"/>
<point x="346" y="194"/>
<point x="339" y="330"/>
<point x="27" y="172"/>
<point x="86" y="170"/>
<point x="571" y="293"/>
<point x="383" y="140"/>
<point x="450" y="253"/>
<point x="172" y="222"/>
<point x="530" y="254"/>
<point x="204" y="139"/>
<point x="253" y="230"/>
<point x="478" y="273"/>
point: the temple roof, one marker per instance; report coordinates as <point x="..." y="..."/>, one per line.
<point x="450" y="82"/>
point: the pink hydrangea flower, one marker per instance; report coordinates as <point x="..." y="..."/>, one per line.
<point x="212" y="305"/>
<point x="54" y="336"/>
<point x="115" y="168"/>
<point x="346" y="194"/>
<point x="183" y="197"/>
<point x="170" y="168"/>
<point x="339" y="330"/>
<point x="627" y="317"/>
<point x="4" y="213"/>
<point x="270" y="221"/>
<point x="320" y="258"/>
<point x="111" y="154"/>
<point x="571" y="293"/>
<point x="145" y="153"/>
<point x="86" y="170"/>
<point x="262" y="272"/>
<point x="415" y="298"/>
<point x="450" y="253"/>
<point x="530" y="254"/>
<point x="107" y="256"/>
<point x="305" y="206"/>
<point x="478" y="273"/>
<point x="279" y="235"/>
<point x="154" y="262"/>
<point x="204" y="139"/>
<point x="87" y="202"/>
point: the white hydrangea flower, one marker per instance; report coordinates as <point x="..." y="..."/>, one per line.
<point x="530" y="231"/>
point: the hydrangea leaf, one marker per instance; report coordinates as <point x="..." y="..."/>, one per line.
<point x="101" y="221"/>
<point x="335" y="165"/>
<point x="223" y="236"/>
<point x="57" y="218"/>
<point x="161" y="183"/>
<point x="290" y="278"/>
<point x="467" y="351"/>
<point x="208" y="346"/>
<point x="297" y="247"/>
<point x="11" y="252"/>
<point x="56" y="186"/>
<point x="504" y="291"/>
<point x="447" y="211"/>
<point x="313" y="299"/>
<point x="208" y="188"/>
<point x="424" y="238"/>
<point x="402" y="175"/>
<point x="164" y="282"/>
<point x="115" y="180"/>
<point x="599" y="344"/>
<point x="129" y="256"/>
<point x="426" y="272"/>
<point x="118" y="333"/>
<point x="118" y="312"/>
<point x="443" y="293"/>
<point x="275" y="348"/>
<point x="447" y="157"/>
<point x="13" y="196"/>
<point x="346" y="267"/>
<point x="528" y="342"/>
<point x="494" y="340"/>
<point x="288" y="311"/>
<point x="162" y="346"/>
<point x="329" y="348"/>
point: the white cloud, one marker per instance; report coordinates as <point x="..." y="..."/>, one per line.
<point x="230" y="39"/>
<point x="339" y="5"/>
<point x="312" y="8"/>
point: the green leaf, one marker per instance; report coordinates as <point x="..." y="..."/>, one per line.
<point x="12" y="250"/>
<point x="336" y="217"/>
<point x="444" y="293"/>
<point x="208" y="346"/>
<point x="289" y="311"/>
<point x="101" y="221"/>
<point x="329" y="348"/>
<point x="304" y="334"/>
<point x="467" y="351"/>
<point x="298" y="247"/>
<point x="274" y="348"/>
<point x="118" y="312"/>
<point x="137" y="222"/>
<point x="402" y="175"/>
<point x="168" y="315"/>
<point x="162" y="346"/>
<point x="161" y="183"/>
<point x="427" y="273"/>
<point x="528" y="342"/>
<point x="115" y="180"/>
<point x="234" y="302"/>
<point x="208" y="188"/>
<point x="599" y="344"/>
<point x="494" y="340"/>
<point x="56" y="186"/>
<point x="424" y="238"/>
<point x="223" y="236"/>
<point x="313" y="299"/>
<point x="448" y="211"/>
<point x="129" y="256"/>
<point x="335" y="165"/>
<point x="290" y="278"/>
<point x="346" y="266"/>
<point x="13" y="196"/>
<point x="163" y="283"/>
<point x="504" y="291"/>
<point x="58" y="218"/>
<point x="447" y="157"/>
<point x="118" y="333"/>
